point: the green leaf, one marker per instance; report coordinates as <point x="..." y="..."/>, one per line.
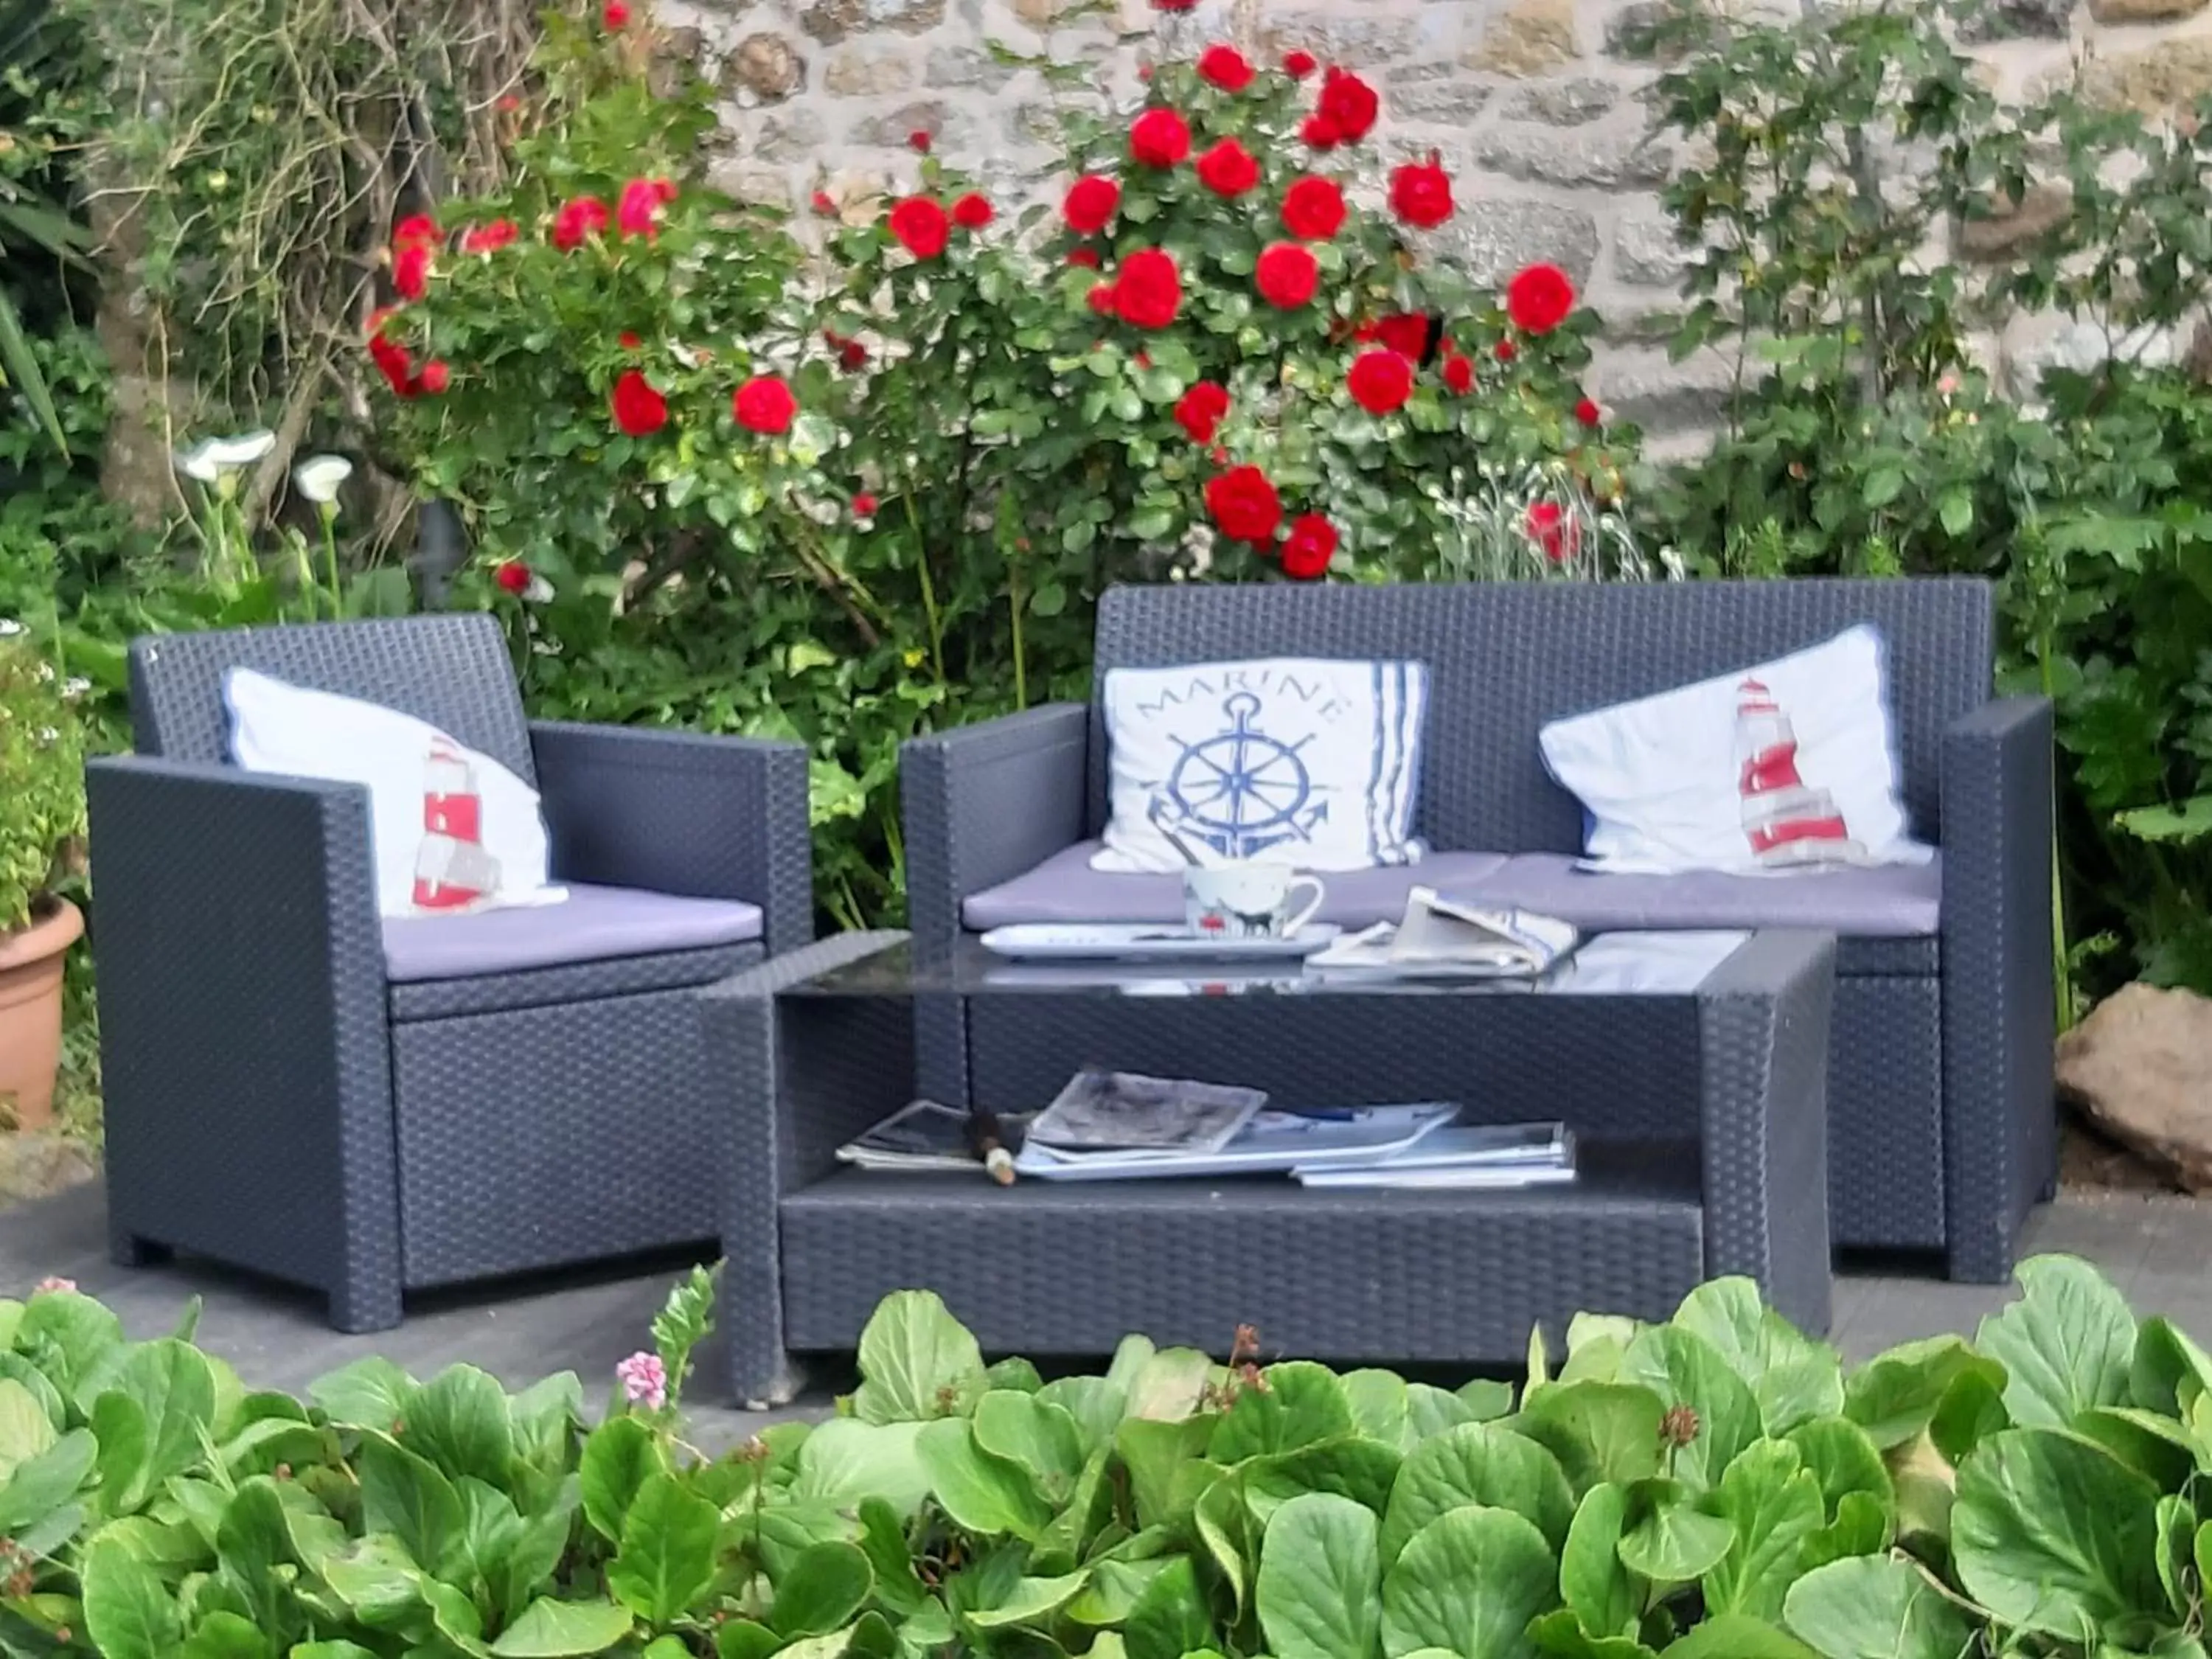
<point x="1684" y="1370"/>
<point x="1224" y="1529"/>
<point x="25" y="1430"/>
<point x="1773" y="1505"/>
<point x="1734" y="1636"/>
<point x="985" y="1494"/>
<point x="1599" y="1432"/>
<point x="458" y="1420"/>
<point x="369" y="1394"/>
<point x="1792" y="1378"/>
<point x="2066" y="1345"/>
<point x="128" y="1611"/>
<point x="822" y="1591"/>
<point x="1469" y="1582"/>
<point x="1874" y="1606"/>
<point x="2051" y="1533"/>
<point x="1029" y="1600"/>
<point x="71" y="1338"/>
<point x="845" y="1461"/>
<point x="174" y="1388"/>
<point x="1036" y="1435"/>
<point x="1602" y="1593"/>
<point x="1302" y="1403"/>
<point x="1365" y="1471"/>
<point x="1430" y="1410"/>
<point x="252" y="1543"/>
<point x="1319" y="1573"/>
<point x="667" y="1555"/>
<point x="1378" y="1403"/>
<point x="917" y="1362"/>
<point x="1893" y="1396"/>
<point x="1113" y="1588"/>
<point x="403" y="1495"/>
<point x="1954" y="510"/>
<point x="1169" y="1620"/>
<point x="224" y="1635"/>
<point x="1971" y="1410"/>
<point x="1561" y="1634"/>
<point x="1883" y="485"/>
<point x="2168" y="1371"/>
<point x="619" y="1457"/>
<point x="555" y="1630"/>
<point x="42" y="1485"/>
<point x="1477" y="1463"/>
<point x="1154" y="1453"/>
<point x="1669" y="1540"/>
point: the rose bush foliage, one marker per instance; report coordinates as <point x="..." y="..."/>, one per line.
<point x="845" y="490"/>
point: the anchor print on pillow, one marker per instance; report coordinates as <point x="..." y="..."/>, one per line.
<point x="1311" y="762"/>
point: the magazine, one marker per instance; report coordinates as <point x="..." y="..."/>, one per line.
<point x="924" y="1135"/>
<point x="1100" y="1111"/>
<point x="1464" y="1157"/>
<point x="1273" y="1142"/>
<point x="1444" y="938"/>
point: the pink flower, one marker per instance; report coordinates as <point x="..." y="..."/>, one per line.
<point x="638" y="214"/>
<point x="52" y="1286"/>
<point x="644" y="1380"/>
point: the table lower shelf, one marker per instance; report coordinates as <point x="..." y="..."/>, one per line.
<point x="1068" y="1269"/>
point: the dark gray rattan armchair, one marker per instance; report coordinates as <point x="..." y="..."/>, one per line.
<point x="294" y="1088"/>
<point x="1942" y="1131"/>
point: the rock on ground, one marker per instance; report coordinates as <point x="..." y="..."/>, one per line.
<point x="2140" y="1067"/>
<point x="35" y="1165"/>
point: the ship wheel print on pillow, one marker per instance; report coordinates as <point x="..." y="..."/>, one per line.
<point x="1239" y="791"/>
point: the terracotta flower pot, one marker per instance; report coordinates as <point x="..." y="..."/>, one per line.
<point x="31" y="961"/>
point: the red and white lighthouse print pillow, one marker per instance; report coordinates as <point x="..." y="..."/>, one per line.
<point x="1785" y="765"/>
<point x="453" y="830"/>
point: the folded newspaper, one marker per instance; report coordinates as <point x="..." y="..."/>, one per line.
<point x="1271" y="1143"/>
<point x="1464" y="1158"/>
<point x="1444" y="938"/>
<point x="926" y="1134"/>
<point x="1121" y="1111"/>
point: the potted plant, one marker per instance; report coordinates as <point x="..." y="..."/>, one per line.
<point x="41" y="821"/>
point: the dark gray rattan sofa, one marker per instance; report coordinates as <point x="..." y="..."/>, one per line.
<point x="296" y="1087"/>
<point x="1942" y="1131"/>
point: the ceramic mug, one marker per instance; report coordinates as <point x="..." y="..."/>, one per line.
<point x="1247" y="901"/>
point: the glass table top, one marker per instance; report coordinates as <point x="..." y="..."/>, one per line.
<point x="1606" y="964"/>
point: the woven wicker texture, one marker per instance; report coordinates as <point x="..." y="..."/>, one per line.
<point x="2002" y="1148"/>
<point x="672" y="812"/>
<point x="1506" y="657"/>
<point x="1886" y="1153"/>
<point x="434" y="998"/>
<point x="451" y="671"/>
<point x="551" y="1136"/>
<point x="247" y="1082"/>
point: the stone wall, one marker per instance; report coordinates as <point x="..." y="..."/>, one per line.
<point x="1532" y="104"/>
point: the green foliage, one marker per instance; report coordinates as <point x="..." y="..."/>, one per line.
<point x="1170" y="1508"/>
<point x="42" y="807"/>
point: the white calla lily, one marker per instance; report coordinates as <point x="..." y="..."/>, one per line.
<point x="247" y="449"/>
<point x="198" y="462"/>
<point x="319" y="477"/>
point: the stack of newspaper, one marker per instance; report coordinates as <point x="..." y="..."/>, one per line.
<point x="1466" y="1158"/>
<point x="1444" y="938"/>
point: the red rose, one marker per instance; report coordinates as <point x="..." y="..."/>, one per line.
<point x="395" y="362"/>
<point x="1086" y="257"/>
<point x="1420" y="193"/>
<point x="1551" y="530"/>
<point x="1313" y="208"/>
<point x="1148" y="290"/>
<point x="585" y="217"/>
<point x="1319" y="131"/>
<point x="1505" y="351"/>
<point x="489" y="238"/>
<point x="919" y="140"/>
<point x="638" y="212"/>
<point x="639" y="411"/>
<point x="972" y="211"/>
<point x="1100" y="298"/>
<point x="1459" y="373"/>
<point x="1091" y="203"/>
<point x="1229" y="168"/>
<point x="1538" y="298"/>
<point x="764" y="403"/>
<point x="1226" y="68"/>
<point x="1173" y="5"/>
<point x="1309" y="546"/>
<point x="1244" y="504"/>
<point x="410" y="270"/>
<point x="1286" y="275"/>
<point x="416" y="228"/>
<point x="1200" y="409"/>
<point x="615" y="15"/>
<point x="825" y="203"/>
<point x="631" y="342"/>
<point x="1380" y="382"/>
<point x="513" y="577"/>
<point x="1589" y="413"/>
<point x="1405" y="332"/>
<point x="1348" y="104"/>
<point x="436" y="376"/>
<point x="921" y="226"/>
<point x="1159" y="138"/>
<point x="1299" y="64"/>
<point x="864" y="505"/>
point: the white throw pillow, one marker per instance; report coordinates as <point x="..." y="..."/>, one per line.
<point x="1785" y="766"/>
<point x="452" y="829"/>
<point x="1311" y="762"/>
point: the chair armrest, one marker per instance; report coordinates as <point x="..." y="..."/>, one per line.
<point x="243" y="1021"/>
<point x="681" y="812"/>
<point x="2000" y="1114"/>
<point x="983" y="802"/>
<point x="1764" y="1021"/>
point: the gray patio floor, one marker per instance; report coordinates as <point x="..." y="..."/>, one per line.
<point x="2155" y="1248"/>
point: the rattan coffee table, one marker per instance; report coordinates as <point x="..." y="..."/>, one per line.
<point x="1691" y="1066"/>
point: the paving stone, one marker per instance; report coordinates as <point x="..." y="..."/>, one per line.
<point x="1568" y="103"/>
<point x="1528" y="39"/>
<point x="893" y="131"/>
<point x="2019" y="20"/>
<point x="766" y="65"/>
<point x="965" y="67"/>
<point x="1622" y="157"/>
<point x="2012" y="227"/>
<point x="1453" y="101"/>
<point x="1493" y="237"/>
<point x="2159" y="81"/>
<point x="831" y="21"/>
<point x="794" y="134"/>
<point x="870" y="70"/>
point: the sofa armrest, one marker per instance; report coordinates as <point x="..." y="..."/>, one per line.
<point x="243" y="1024"/>
<point x="2000" y="1114"/>
<point x="984" y="803"/>
<point x="681" y="812"/>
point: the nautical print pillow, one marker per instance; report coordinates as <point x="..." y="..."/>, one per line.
<point x="1789" y="765"/>
<point x="1311" y="762"/>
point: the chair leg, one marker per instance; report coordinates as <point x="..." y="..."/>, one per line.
<point x="359" y="1306"/>
<point x="127" y="1249"/>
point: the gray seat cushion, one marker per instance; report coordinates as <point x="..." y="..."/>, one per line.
<point x="1065" y="888"/>
<point x="1887" y="917"/>
<point x="594" y="924"/>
